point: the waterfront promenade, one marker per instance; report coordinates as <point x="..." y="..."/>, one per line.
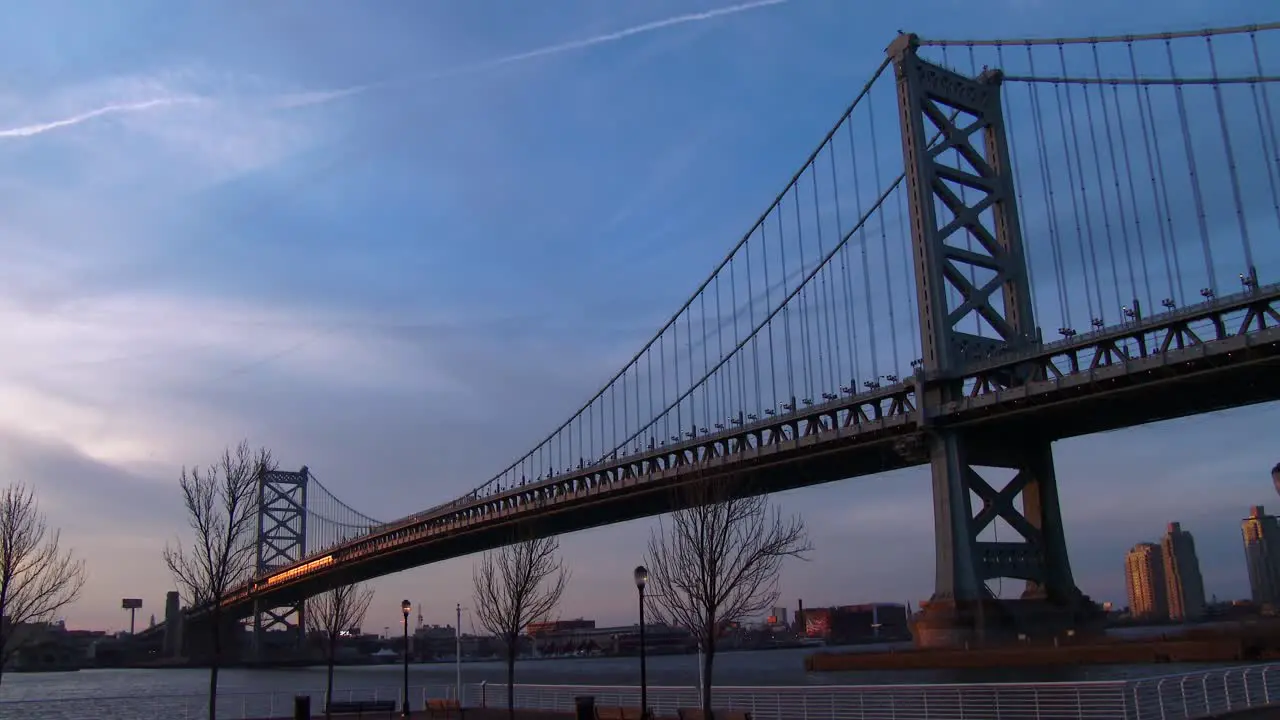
<point x="1213" y="693"/>
<point x="772" y="685"/>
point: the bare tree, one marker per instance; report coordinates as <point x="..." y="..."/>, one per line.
<point x="717" y="562"/>
<point x="340" y="610"/>
<point x="221" y="504"/>
<point x="514" y="586"/>
<point x="37" y="578"/>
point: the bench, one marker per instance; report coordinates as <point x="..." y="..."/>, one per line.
<point x="696" y="714"/>
<point x="444" y="707"/>
<point x="619" y="713"/>
<point x="360" y="707"/>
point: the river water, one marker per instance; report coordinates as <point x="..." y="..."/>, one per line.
<point x="758" y="668"/>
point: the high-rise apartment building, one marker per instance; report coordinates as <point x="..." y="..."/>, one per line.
<point x="1262" y="555"/>
<point x="1144" y="579"/>
<point x="1184" y="586"/>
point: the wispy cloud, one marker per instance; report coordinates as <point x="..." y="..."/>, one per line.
<point x="319" y="97"/>
<point x="204" y="127"/>
<point x="25" y="131"/>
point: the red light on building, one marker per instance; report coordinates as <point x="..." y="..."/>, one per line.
<point x="817" y="622"/>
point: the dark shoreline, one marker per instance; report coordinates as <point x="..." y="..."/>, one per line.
<point x="1245" y="643"/>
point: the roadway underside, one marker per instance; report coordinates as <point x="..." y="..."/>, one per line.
<point x="1247" y="377"/>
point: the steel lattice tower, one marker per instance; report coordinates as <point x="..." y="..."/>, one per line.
<point x="282" y="541"/>
<point x="965" y="117"/>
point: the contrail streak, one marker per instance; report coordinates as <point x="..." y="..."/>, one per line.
<point x="319" y="97"/>
<point x="322" y="96"/>
<point x="114" y="109"/>
<point x="609" y="37"/>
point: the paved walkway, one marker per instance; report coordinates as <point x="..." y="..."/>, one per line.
<point x="472" y="714"/>
<point x="491" y="713"/>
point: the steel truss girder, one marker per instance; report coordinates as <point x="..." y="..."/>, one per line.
<point x="934" y="94"/>
<point x="282" y="541"/>
<point x="1202" y="330"/>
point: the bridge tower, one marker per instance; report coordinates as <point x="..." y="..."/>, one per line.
<point x="965" y="116"/>
<point x="282" y="540"/>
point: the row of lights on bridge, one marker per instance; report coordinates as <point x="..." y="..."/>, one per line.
<point x="697" y="432"/>
<point x="1248" y="281"/>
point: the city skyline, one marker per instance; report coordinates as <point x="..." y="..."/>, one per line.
<point x="298" y="245"/>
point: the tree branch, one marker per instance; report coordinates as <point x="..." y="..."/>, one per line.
<point x="518" y="585"/>
<point x="340" y="610"/>
<point x="37" y="578"/>
<point x="718" y="561"/>
<point x="221" y="503"/>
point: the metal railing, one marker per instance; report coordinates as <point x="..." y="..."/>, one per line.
<point x="1003" y="701"/>
<point x="1188" y="696"/>
<point x="1205" y="694"/>
<point x="232" y="705"/>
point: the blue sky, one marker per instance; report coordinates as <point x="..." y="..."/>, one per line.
<point x="344" y="231"/>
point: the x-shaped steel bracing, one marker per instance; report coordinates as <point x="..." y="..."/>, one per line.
<point x="957" y="165"/>
<point x="969" y="262"/>
<point x="282" y="540"/>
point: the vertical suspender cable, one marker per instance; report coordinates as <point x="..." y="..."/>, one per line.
<point x="1197" y="193"/>
<point x="1102" y="193"/>
<point x="1159" y="184"/>
<point x="805" y="330"/>
<point x="827" y="288"/>
<point x="884" y="239"/>
<point x="866" y="265"/>
<point x="1051" y="207"/>
<point x="1231" y="160"/>
<point x="1017" y="174"/>
<point x="849" y="313"/>
<point x="1084" y="231"/>
<point x="786" y="305"/>
<point x="1267" y="128"/>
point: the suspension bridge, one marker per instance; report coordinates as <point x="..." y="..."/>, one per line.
<point x="999" y="244"/>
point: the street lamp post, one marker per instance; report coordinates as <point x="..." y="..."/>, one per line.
<point x="405" y="607"/>
<point x="457" y="655"/>
<point x="642" y="576"/>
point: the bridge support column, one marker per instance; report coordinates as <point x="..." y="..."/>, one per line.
<point x="971" y="273"/>
<point x="282" y="541"/>
<point x="963" y="610"/>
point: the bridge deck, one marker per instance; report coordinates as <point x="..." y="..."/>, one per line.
<point x="1217" y="355"/>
